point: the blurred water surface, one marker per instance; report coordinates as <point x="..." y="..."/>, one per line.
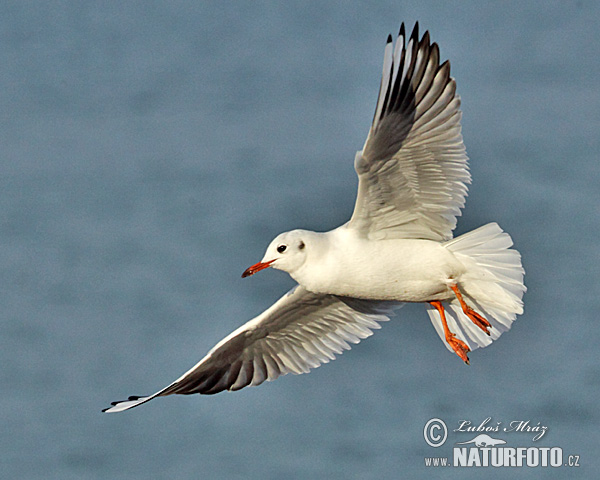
<point x="149" y="152"/>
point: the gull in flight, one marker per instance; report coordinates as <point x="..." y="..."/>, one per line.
<point x="397" y="247"/>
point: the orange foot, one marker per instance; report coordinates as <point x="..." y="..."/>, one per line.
<point x="472" y="314"/>
<point x="459" y="347"/>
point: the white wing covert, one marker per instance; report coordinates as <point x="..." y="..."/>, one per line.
<point x="301" y="331"/>
<point x="412" y="171"/>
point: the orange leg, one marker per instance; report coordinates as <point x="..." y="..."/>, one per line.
<point x="457" y="345"/>
<point x="472" y="314"/>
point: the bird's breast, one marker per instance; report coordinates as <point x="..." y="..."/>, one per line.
<point x="400" y="270"/>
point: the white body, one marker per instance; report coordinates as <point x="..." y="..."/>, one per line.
<point x="404" y="270"/>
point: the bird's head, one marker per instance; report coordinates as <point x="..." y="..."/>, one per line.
<point x="286" y="252"/>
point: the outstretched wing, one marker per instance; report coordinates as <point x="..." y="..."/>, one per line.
<point x="302" y="330"/>
<point x="412" y="171"/>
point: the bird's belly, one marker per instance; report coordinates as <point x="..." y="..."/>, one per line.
<point x="400" y="270"/>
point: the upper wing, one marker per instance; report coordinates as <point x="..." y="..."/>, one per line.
<point x="300" y="331"/>
<point x="412" y="171"/>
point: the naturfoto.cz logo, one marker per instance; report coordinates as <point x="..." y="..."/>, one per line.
<point x="485" y="450"/>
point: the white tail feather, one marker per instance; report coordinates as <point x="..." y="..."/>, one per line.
<point x="492" y="286"/>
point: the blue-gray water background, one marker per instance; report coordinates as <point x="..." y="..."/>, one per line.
<point x="150" y="151"/>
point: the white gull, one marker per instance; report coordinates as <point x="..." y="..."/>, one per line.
<point x="396" y="248"/>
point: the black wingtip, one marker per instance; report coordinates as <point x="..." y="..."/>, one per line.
<point x="415" y="33"/>
<point x="113" y="404"/>
<point x="402" y="32"/>
<point x="130" y="399"/>
<point x="445" y="66"/>
<point x="389" y="39"/>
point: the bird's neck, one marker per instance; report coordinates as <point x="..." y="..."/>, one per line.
<point x="319" y="270"/>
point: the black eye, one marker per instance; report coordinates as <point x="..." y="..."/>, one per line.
<point x="281" y="248"/>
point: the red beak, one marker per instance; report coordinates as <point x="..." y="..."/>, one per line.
<point x="256" y="268"/>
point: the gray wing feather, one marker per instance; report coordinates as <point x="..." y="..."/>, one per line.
<point x="301" y="331"/>
<point x="413" y="171"/>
